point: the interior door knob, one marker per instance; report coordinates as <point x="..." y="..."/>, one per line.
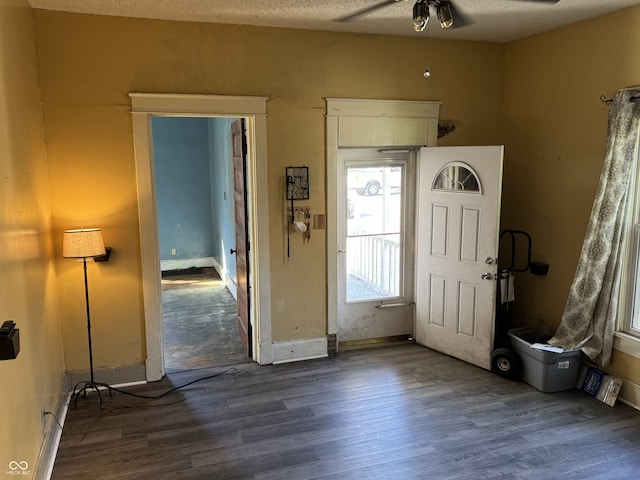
<point x="232" y="251"/>
<point x="487" y="276"/>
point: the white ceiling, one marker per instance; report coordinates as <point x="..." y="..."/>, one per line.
<point x="488" y="20"/>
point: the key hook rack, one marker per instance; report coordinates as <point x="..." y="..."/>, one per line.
<point x="297" y="180"/>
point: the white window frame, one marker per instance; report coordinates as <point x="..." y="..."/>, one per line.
<point x="627" y="337"/>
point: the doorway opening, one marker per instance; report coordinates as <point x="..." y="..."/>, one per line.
<point x="375" y="246"/>
<point x="384" y="126"/>
<point x="144" y="108"/>
<point x="194" y="182"/>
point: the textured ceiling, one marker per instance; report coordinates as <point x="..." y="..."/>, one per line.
<point x="486" y="20"/>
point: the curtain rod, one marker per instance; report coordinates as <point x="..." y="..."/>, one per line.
<point x="609" y="100"/>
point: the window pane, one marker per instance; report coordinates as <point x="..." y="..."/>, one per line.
<point x="458" y="178"/>
<point x="372" y="208"/>
<point x="374" y="239"/>
<point x="635" y="317"/>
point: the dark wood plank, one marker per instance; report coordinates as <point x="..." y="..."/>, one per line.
<point x="390" y="412"/>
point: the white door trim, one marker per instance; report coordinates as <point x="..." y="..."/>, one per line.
<point x="367" y="123"/>
<point x="253" y="109"/>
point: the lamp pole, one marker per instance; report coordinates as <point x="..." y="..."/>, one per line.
<point x="85" y="243"/>
<point x="86" y="297"/>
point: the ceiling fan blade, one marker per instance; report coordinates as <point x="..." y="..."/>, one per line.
<point x="365" y="11"/>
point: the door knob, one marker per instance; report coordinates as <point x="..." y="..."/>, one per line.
<point x="487" y="276"/>
<point x="232" y="251"/>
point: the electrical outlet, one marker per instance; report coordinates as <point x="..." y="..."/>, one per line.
<point x="174" y="251"/>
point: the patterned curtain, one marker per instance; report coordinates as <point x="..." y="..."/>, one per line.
<point x="589" y="318"/>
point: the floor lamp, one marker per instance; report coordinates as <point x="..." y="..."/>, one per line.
<point x="85" y="243"/>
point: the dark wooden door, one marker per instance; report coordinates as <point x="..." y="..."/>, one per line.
<point x="242" y="243"/>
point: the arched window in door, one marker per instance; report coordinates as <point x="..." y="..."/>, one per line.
<point x="457" y="177"/>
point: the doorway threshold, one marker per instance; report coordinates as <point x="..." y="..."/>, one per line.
<point x="375" y="342"/>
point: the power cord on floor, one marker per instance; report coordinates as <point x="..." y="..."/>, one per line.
<point x="154" y="397"/>
<point x="151" y="397"/>
<point x="224" y="372"/>
<point x="54" y="417"/>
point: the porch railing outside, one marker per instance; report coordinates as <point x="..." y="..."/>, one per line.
<point x="373" y="266"/>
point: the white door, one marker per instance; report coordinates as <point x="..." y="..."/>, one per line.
<point x="456" y="249"/>
<point x="375" y="245"/>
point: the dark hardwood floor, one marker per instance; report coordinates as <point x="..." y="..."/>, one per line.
<point x="400" y="412"/>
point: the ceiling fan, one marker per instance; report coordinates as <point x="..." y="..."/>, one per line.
<point x="445" y="10"/>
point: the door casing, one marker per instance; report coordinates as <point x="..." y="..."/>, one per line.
<point x="367" y="123"/>
<point x="253" y="110"/>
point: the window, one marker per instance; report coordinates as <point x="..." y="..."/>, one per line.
<point x="602" y="293"/>
<point x="630" y="288"/>
<point x="374" y="231"/>
<point x="456" y="177"/>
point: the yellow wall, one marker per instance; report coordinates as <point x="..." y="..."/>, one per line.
<point x="88" y="66"/>
<point x="556" y="128"/>
<point x="539" y="96"/>
<point x="31" y="382"/>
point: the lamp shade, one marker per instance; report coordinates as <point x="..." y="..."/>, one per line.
<point x="83" y="243"/>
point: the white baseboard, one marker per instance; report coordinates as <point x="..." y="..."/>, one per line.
<point x="184" y="263"/>
<point x="630" y="394"/>
<point x="296" y="350"/>
<point x="229" y="282"/>
<point x="53" y="432"/>
<point x="131" y="374"/>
